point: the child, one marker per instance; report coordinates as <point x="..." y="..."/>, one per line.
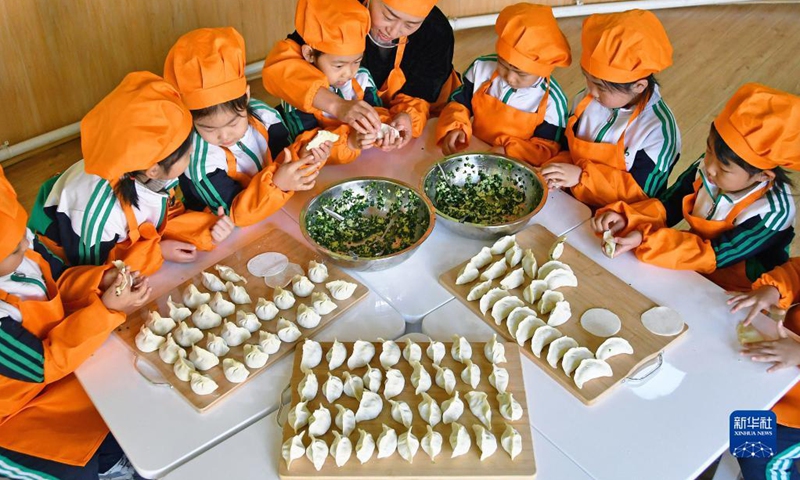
<point x="736" y="200"/>
<point x="48" y="425"/>
<point x="515" y="103"/>
<point x="231" y="166"/>
<point x="114" y="203"/>
<point x="781" y="288"/>
<point x="623" y="140"/>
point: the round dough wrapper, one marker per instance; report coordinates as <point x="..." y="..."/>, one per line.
<point x="285" y="277"/>
<point x="663" y="321"/>
<point x="267" y="264"/>
<point x="601" y="322"/>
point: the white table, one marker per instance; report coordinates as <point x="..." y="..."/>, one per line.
<point x="443" y="249"/>
<point x="676" y="423"/>
<point x="156" y="428"/>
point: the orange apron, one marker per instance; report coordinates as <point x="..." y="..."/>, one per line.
<point x="241" y="178"/>
<point x="732" y="278"/>
<point x="492" y="118"/>
<point x="58" y="422"/>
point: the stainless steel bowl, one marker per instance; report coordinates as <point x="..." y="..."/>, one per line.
<point x="460" y="167"/>
<point x="392" y="191"/>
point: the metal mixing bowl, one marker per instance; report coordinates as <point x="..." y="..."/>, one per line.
<point x="372" y="188"/>
<point x="460" y="167"/>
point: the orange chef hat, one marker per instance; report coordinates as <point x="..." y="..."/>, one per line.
<point x="337" y="28"/>
<point x="416" y="8"/>
<point x="12" y="216"/>
<point x="207" y="67"/>
<point x="762" y="125"/>
<point x="624" y="47"/>
<point x="137" y="125"/>
<point x="529" y="39"/>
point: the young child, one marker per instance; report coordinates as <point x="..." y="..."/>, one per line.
<point x="234" y="137"/>
<point x="736" y="200"/>
<point x="780" y="288"/>
<point x="511" y="95"/>
<point x="114" y="204"/>
<point x="623" y="139"/>
<point x="48" y="425"/>
<point x="334" y="35"/>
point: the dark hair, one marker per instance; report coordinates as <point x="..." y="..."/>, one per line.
<point x="126" y="188"/>
<point x="726" y="155"/>
<point x="239" y="106"/>
<point x="627" y="87"/>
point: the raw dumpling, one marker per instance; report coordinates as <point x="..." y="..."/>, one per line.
<point x="234" y="371"/>
<point x="390" y="353"/>
<point x="495" y="351"/>
<point x="322" y="303"/>
<point x="353" y="385"/>
<point x="420" y="378"/>
<point x="387" y="442"/>
<point x="288" y="331"/>
<point x="560" y="314"/>
<point x="220" y="306"/>
<point x="365" y="446"/>
<point x="429" y="410"/>
<point x="293" y="449"/>
<point x="254" y="356"/>
<point x="228" y="274"/>
<point x="573" y="358"/>
<point x="341" y="290"/>
<point x="177" y="311"/>
<point x="312" y="355"/>
<point x="201" y="384"/>
<point x="183" y="368"/>
<point x="609" y="244"/>
<point x="510" y="409"/>
<point x="336" y="355"/>
<point x="362" y="354"/>
<point x="432" y="443"/>
<point x="308" y="387"/>
<point x="187" y="336"/>
<point x="320" y="422"/>
<point x="332" y="388"/>
<point x="548" y="267"/>
<point x="452" y="409"/>
<point x="412" y="352"/>
<point x="369" y="407"/>
<point x="193" y="298"/>
<point x="435" y="351"/>
<point x="558" y="348"/>
<point x="479" y="290"/>
<point x="503" y="244"/>
<point x="479" y="406"/>
<point x="499" y="378"/>
<point x="557" y="248"/>
<point x="298" y="416"/>
<point x="302" y="286"/>
<point x="491" y="297"/>
<point x="486" y="441"/>
<point x="205" y="317"/>
<point x="561" y="278"/>
<point x="321" y="137"/>
<point x="459" y="440"/>
<point x="169" y="351"/>
<point x="612" y="347"/>
<point x="516" y="316"/>
<point x="283" y="299"/>
<point x="203" y="359"/>
<point x="233" y="334"/>
<point x="307" y="317"/>
<point x="534" y="291"/>
<point x="471" y="375"/>
<point x="401" y="413"/>
<point x="445" y="379"/>
<point x="266" y="310"/>
<point x="248" y="321"/>
<point x="529" y="264"/>
<point x="395" y="383"/>
<point x="504" y="307"/>
<point x="549" y="300"/>
<point x="590" y="369"/>
<point x="317" y="272"/>
<point x="269" y="342"/>
<point x="160" y="325"/>
<point x="238" y="294"/>
<point x="147" y="341"/>
<point x="482" y="258"/>
<point x="212" y="282"/>
<point x="317" y="452"/>
<point x="216" y="345"/>
<point x="407" y="446"/>
<point x="514" y="255"/>
<point x="372" y="379"/>
<point x="341" y="449"/>
<point x="527" y="329"/>
<point x="513" y="279"/>
<point x="497" y="269"/>
<point x="542" y="337"/>
<point x="461" y="349"/>
<point x="467" y="274"/>
<point x="345" y="420"/>
<point x="511" y="441"/>
<point x="601" y="322"/>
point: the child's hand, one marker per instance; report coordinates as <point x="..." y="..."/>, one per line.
<point x="454" y="142"/>
<point x="782" y="353"/>
<point x="759" y="299"/>
<point x="562" y="175"/>
<point x="628" y="242"/>
<point x="178" y="252"/>
<point x="358" y="114"/>
<point x="294" y="176"/>
<point x="223" y="228"/>
<point x="616" y="222"/>
<point x="402" y="123"/>
<point x="130" y="297"/>
<point x="361" y="141"/>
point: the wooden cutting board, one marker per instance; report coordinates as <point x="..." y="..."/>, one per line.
<point x="499" y="465"/>
<point x="597" y="287"/>
<point x="275" y="240"/>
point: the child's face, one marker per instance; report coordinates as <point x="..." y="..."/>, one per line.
<point x="339" y="69"/>
<point x="11" y="262"/>
<point x="389" y="24"/>
<point x="513" y="76"/>
<point x="611" y="98"/>
<point x="222" y="128"/>
<point x="730" y="178"/>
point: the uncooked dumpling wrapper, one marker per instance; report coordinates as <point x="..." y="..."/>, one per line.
<point x="321" y="137"/>
<point x="601" y="322"/>
<point x="663" y="321"/>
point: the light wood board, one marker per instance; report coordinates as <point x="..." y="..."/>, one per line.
<point x="468" y="465"/>
<point x="275" y="240"/>
<point x="597" y="287"/>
